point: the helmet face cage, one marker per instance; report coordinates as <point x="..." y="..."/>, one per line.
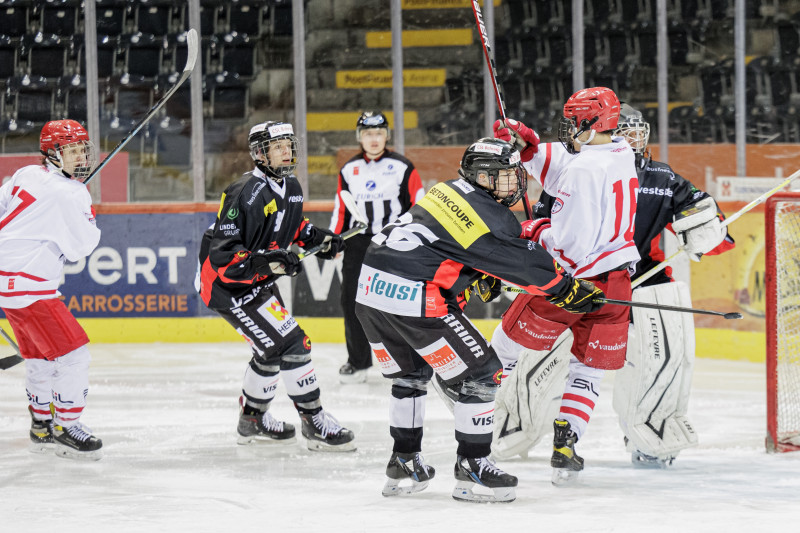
<point x="260" y="140"/>
<point x="372" y="119"/>
<point x="66" y="144"/>
<point x="489" y="156"/>
<point x="634" y="129"/>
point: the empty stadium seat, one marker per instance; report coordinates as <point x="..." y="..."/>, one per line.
<point x="246" y="17"/>
<point x="113" y="16"/>
<point x="45" y="54"/>
<point x="143" y="54"/>
<point x="14" y="18"/>
<point x="60" y="18"/>
<point x="107" y="49"/>
<point x="30" y="98"/>
<point x="154" y="17"/>
<point x="229" y="96"/>
<point x="9" y="57"/>
<point x="132" y="96"/>
<point x="238" y="54"/>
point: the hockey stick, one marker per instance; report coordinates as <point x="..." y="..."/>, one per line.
<point x="361" y="224"/>
<point x="760" y="200"/>
<point x="11" y="360"/>
<point x="728" y="316"/>
<point x="487" y="52"/>
<point x="191" y="57"/>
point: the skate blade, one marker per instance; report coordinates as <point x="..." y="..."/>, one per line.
<point x="41" y="447"/>
<point x="650" y="463"/>
<point x="393" y="487"/>
<point x="353" y="378"/>
<point x="69" y="453"/>
<point x="564" y="477"/>
<point x="317" y="446"/>
<point x="252" y="440"/>
<point x="464" y="492"/>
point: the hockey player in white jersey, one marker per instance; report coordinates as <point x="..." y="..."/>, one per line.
<point x="590" y="233"/>
<point x="652" y="390"/>
<point x="46" y="218"/>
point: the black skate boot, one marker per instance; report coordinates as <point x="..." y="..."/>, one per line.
<point x="261" y="427"/>
<point x="565" y="462"/>
<point x="324" y="433"/>
<point x="77" y="442"/>
<point x="350" y="374"/>
<point x="483" y="472"/>
<point x="404" y="466"/>
<point x="41" y="434"/>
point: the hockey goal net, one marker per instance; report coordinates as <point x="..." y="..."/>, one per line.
<point x="783" y="322"/>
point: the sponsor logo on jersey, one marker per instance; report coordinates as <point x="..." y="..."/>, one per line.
<point x="232" y="213"/>
<point x="655" y="191"/>
<point x="254" y="194"/>
<point x="557" y="206"/>
<point x="487" y="148"/>
<point x="385" y="361"/>
<point x="270" y="208"/>
<point x="389" y="293"/>
<point x="454" y="214"/>
<point x="546" y="371"/>
<point x="483" y="419"/>
<point x="468" y="340"/>
<point x="277" y="316"/>
<point x="307" y="379"/>
<point x="281" y="129"/>
<point x="256" y="331"/>
<point x="296" y="198"/>
<point x="355" y="171"/>
<point x="11" y="282"/>
<point x="464" y="185"/>
<point x="229" y="230"/>
<point x="370" y="185"/>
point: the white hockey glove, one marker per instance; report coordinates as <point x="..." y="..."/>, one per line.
<point x="699" y="229"/>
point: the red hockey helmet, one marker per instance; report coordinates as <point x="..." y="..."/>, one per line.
<point x="66" y="144"/>
<point x="59" y="133"/>
<point x="595" y="108"/>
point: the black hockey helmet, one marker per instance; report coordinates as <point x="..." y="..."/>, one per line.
<point x="634" y="128"/>
<point x="261" y="137"/>
<point x="372" y="119"/>
<point x="489" y="156"/>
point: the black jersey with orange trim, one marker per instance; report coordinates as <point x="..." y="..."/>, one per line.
<point x="452" y="236"/>
<point x="255" y="214"/>
<point x="663" y="193"/>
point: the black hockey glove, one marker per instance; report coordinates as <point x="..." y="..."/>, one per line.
<point x="578" y="297"/>
<point x="276" y="262"/>
<point x="487" y="288"/>
<point x="333" y="245"/>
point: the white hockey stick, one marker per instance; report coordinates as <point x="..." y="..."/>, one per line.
<point x="192" y="48"/>
<point x="361" y="224"/>
<point x="760" y="200"/>
<point x="11" y="360"/>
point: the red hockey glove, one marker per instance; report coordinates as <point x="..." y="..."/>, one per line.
<point x="517" y="133"/>
<point x="532" y="229"/>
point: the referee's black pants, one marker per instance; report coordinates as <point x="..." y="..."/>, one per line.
<point x="359" y="353"/>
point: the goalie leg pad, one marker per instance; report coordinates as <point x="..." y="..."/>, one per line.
<point x="530" y="398"/>
<point x="651" y="391"/>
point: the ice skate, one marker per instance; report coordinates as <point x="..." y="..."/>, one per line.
<point x="565" y="462"/>
<point x="409" y="466"/>
<point x="349" y="374"/>
<point x="41" y="434"/>
<point x="324" y="433"/>
<point x="642" y="460"/>
<point x="77" y="442"/>
<point x="482" y="472"/>
<point x="260" y="427"/>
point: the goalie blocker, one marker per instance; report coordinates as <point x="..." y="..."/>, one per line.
<point x="651" y="391"/>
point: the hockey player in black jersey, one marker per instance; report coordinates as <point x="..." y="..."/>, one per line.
<point x="410" y="298"/>
<point x="241" y="255"/>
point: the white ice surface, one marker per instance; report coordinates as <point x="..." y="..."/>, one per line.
<point x="167" y="416"/>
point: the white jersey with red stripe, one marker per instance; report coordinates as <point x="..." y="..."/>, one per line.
<point x="592" y="219"/>
<point x="45" y="220"/>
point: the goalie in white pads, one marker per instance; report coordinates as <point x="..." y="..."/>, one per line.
<point x="652" y="389"/>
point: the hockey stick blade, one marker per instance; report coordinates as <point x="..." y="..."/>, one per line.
<point x="727" y="316"/>
<point x="358" y="228"/>
<point x="192" y="47"/>
<point x="11" y="360"/>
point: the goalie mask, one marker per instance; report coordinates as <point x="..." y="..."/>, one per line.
<point x="500" y="163"/>
<point x="634" y="129"/>
<point x="595" y="109"/>
<point x="66" y="144"/>
<point x="273" y="147"/>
